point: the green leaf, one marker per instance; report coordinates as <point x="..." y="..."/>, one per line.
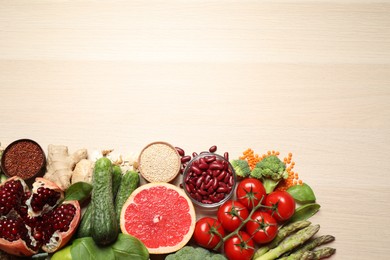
<point x="86" y="249"/>
<point x="78" y="191"/>
<point x="302" y="193"/>
<point x="305" y="212"/>
<point x="129" y="247"/>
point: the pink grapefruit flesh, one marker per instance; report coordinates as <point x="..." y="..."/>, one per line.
<point x="160" y="215"/>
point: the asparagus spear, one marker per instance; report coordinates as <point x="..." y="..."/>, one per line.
<point x="318" y="254"/>
<point x="290" y="243"/>
<point x="308" y="246"/>
<point x="282" y="234"/>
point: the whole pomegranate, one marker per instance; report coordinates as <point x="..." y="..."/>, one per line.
<point x="31" y="220"/>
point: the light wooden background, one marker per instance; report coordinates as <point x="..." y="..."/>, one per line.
<point x="310" y="77"/>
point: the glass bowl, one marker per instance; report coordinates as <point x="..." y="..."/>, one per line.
<point x="209" y="180"/>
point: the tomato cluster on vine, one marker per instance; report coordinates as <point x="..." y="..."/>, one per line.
<point x="251" y="219"/>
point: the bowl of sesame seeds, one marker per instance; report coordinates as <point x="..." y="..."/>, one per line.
<point x="159" y="162"/>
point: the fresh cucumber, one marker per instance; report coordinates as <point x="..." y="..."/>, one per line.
<point x="84" y="229"/>
<point x="130" y="181"/>
<point x="104" y="227"/>
<point x="116" y="179"/>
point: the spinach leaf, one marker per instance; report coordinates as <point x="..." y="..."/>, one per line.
<point x="129" y="247"/>
<point x="302" y="193"/>
<point x="86" y="249"/>
<point x="78" y="191"/>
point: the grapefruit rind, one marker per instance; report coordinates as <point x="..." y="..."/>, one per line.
<point x="131" y="202"/>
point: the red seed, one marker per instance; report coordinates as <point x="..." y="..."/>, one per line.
<point x="199" y="181"/>
<point x="203" y="166"/>
<point x="180" y="151"/>
<point x="221" y="176"/>
<point x="222" y="190"/>
<point x="216" y="165"/>
<point x="196" y="170"/>
<point x="185" y="159"/>
<point x="216" y="173"/>
<point x="210" y="159"/>
<point x="213" y="149"/>
<point x="215" y="183"/>
<point x="226" y="156"/>
<point x="194" y="154"/>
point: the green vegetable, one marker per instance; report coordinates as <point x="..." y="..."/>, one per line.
<point x="283" y="232"/>
<point x="116" y="179"/>
<point x="104" y="227"/>
<point x="302" y="193"/>
<point x="78" y="191"/>
<point x="318" y="254"/>
<point x="63" y="254"/>
<point x="3" y="178"/>
<point x="305" y="212"/>
<point x="270" y="170"/>
<point x="308" y="246"/>
<point x="290" y="243"/>
<point x="241" y="168"/>
<point x="130" y="182"/>
<point x="125" y="247"/>
<point x="84" y="229"/>
<point x="194" y="253"/>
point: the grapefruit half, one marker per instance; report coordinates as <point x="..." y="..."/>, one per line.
<point x="160" y="215"/>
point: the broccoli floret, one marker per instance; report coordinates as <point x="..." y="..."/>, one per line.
<point x="270" y="170"/>
<point x="241" y="167"/>
<point x="194" y="253"/>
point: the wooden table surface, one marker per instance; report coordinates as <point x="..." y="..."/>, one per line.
<point x="307" y="77"/>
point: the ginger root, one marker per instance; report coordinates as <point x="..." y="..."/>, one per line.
<point x="60" y="164"/>
<point x="83" y="171"/>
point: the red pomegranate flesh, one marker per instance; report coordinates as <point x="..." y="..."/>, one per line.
<point x="33" y="220"/>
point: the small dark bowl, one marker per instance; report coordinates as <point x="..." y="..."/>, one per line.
<point x="24" y="158"/>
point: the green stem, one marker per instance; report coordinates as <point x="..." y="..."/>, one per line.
<point x="243" y="222"/>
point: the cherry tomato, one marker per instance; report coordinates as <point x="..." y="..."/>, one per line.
<point x="282" y="203"/>
<point x="231" y="214"/>
<point x="239" y="247"/>
<point x="262" y="227"/>
<point x="250" y="192"/>
<point x="206" y="232"/>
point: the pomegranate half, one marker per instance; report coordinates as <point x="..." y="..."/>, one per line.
<point x="31" y="220"/>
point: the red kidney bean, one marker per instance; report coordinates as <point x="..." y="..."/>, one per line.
<point x="221" y="176"/>
<point x="226" y="156"/>
<point x="227" y="177"/>
<point x="180" y="151"/>
<point x="199" y="181"/>
<point x="203" y="166"/>
<point x="216" y="173"/>
<point x="210" y="159"/>
<point x="209" y="184"/>
<point x="216" y="165"/>
<point x="185" y="159"/>
<point x="222" y="184"/>
<point x="202" y="192"/>
<point x="209" y="172"/>
<point x="231" y="180"/>
<point x="194" y="154"/>
<point x="210" y="190"/>
<point x="213" y="149"/>
<point x="222" y="190"/>
<point x="207" y="179"/>
<point x="196" y="170"/>
<point x="215" y="183"/>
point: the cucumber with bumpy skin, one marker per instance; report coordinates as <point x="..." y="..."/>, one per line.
<point x="116" y="179"/>
<point x="104" y="227"/>
<point x="84" y="229"/>
<point x="130" y="181"/>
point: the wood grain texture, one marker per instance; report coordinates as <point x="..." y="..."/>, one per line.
<point x="310" y="77"/>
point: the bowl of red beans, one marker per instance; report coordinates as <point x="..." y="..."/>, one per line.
<point x="209" y="180"/>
